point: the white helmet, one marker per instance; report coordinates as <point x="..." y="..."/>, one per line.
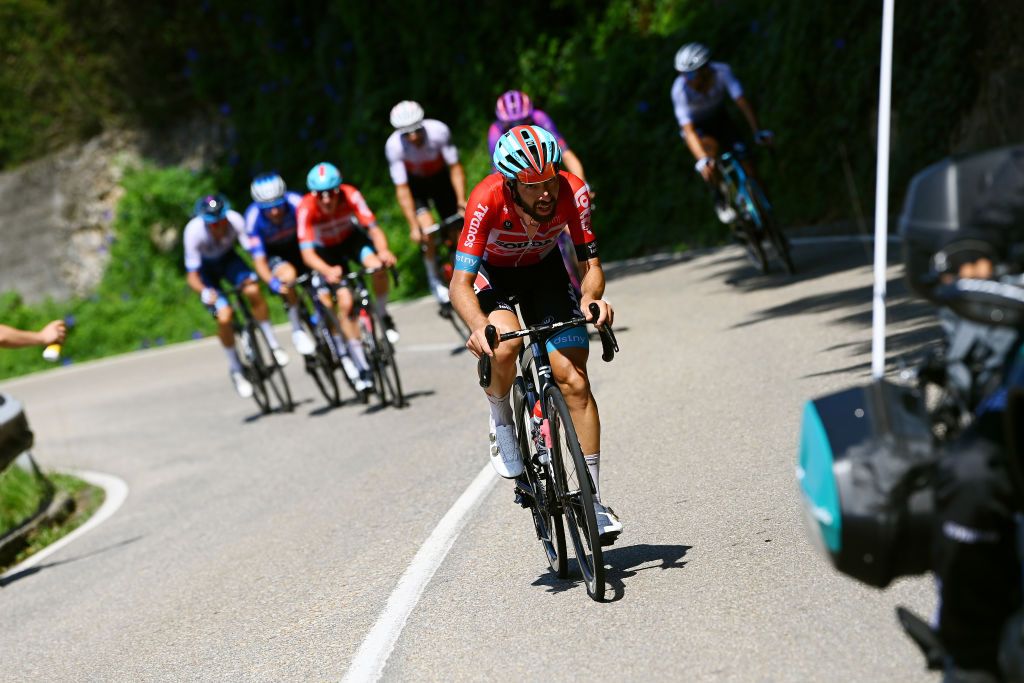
<point x="691" y="57"/>
<point x="268" y="190"/>
<point x="406" y="116"/>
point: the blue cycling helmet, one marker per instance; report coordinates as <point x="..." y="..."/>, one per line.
<point x="529" y="154"/>
<point x="268" y="190"/>
<point x="323" y="176"/>
<point x="212" y="208"/>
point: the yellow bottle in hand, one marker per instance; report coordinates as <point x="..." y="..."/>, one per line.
<point x="52" y="353"/>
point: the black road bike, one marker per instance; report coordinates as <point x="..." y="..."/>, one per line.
<point x="755" y="220"/>
<point x="555" y="482"/>
<point x="269" y="384"/>
<point x="380" y="354"/>
<point x="446" y="239"/>
<point x="320" y="323"/>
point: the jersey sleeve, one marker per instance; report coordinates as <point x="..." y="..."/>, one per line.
<point x="493" y="133"/>
<point x="580" y="229"/>
<point x="480" y="216"/>
<point x="679" y="103"/>
<point x="444" y="140"/>
<point x="396" y="160"/>
<point x="542" y="119"/>
<point x="190" y="243"/>
<point x="238" y="225"/>
<point x="304" y="226"/>
<point x="254" y="241"/>
<point x="732" y="84"/>
<point x="359" y="206"/>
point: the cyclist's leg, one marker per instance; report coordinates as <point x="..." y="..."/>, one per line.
<point x="438" y="189"/>
<point x="284" y="271"/>
<point x="240" y="276"/>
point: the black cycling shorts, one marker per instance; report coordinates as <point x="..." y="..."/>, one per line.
<point x="435" y="188"/>
<point x="543" y="290"/>
<point x="720" y="127"/>
<point x="286" y="254"/>
<point x="352" y="249"/>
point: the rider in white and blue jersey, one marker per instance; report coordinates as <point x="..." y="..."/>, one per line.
<point x="270" y="228"/>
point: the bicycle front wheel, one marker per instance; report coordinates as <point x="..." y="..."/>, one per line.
<point x="772" y="229"/>
<point x="547" y="521"/>
<point x="273" y="374"/>
<point x="320" y="365"/>
<point x="391" y="383"/>
<point x="249" y="358"/>
<point x="575" y="492"/>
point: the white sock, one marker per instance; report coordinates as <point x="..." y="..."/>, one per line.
<point x="594" y="465"/>
<point x="233" y="363"/>
<point x="339" y="343"/>
<point x="355" y="349"/>
<point x="381" y="302"/>
<point x="501" y="409"/>
<point x="351" y="371"/>
<point x="268" y="330"/>
<point x="293" y="318"/>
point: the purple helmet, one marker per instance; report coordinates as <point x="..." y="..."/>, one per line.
<point x="513" y="105"/>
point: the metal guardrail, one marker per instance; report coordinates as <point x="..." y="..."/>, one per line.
<point x="15" y="435"/>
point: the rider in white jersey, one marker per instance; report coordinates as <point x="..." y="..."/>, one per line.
<point x="209" y="242"/>
<point x="418" y="153"/>
<point x="698" y="98"/>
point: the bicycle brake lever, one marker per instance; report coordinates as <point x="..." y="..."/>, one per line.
<point x="483" y="366"/>
<point x="608" y="343"/>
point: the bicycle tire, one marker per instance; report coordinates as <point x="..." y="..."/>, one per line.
<point x="752" y="243"/>
<point x="771" y="228"/>
<point x="273" y="373"/>
<point x="367" y="324"/>
<point x="547" y="521"/>
<point x="326" y="324"/>
<point x="574" y="490"/>
<point x="249" y="360"/>
<point x="390" y="381"/>
<point x="321" y="364"/>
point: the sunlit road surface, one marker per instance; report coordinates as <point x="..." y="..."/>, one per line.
<point x="264" y="548"/>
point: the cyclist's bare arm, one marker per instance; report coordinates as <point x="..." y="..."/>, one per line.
<point x="748" y="113"/>
<point x="194" y="281"/>
<point x="465" y="303"/>
<point x="592" y="289"/>
<point x="693" y="142"/>
<point x="458" y="178"/>
<point x="259" y="263"/>
<point x="405" y="201"/>
<point x="13" y="338"/>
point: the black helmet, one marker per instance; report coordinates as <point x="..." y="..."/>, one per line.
<point x="212" y="208"/>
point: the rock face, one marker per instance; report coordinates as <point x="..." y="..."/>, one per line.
<point x="57" y="212"/>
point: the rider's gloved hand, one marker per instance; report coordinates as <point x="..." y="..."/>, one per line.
<point x="764" y="137"/>
<point x="275" y="285"/>
<point x="209" y="296"/>
<point x="706" y="167"/>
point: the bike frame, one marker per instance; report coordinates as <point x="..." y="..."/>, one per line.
<point x="733" y="173"/>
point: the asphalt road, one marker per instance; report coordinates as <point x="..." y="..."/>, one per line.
<point x="264" y="548"/>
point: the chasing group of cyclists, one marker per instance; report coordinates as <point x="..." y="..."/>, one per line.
<point x="527" y="239"/>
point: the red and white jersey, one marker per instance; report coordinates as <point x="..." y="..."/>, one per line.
<point x="493" y="231"/>
<point x="319" y="229"/>
<point x="436" y="153"/>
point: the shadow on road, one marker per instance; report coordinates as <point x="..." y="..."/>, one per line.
<point x="377" y="407"/>
<point x="621" y="563"/>
<point x="7" y="580"/>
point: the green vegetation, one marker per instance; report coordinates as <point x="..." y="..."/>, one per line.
<point x="295" y="83"/>
<point x="20" y="496"/>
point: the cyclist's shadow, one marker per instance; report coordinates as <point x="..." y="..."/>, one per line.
<point x="620" y="563"/>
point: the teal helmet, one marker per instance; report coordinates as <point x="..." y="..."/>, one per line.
<point x="529" y="154"/>
<point x="323" y="176"/>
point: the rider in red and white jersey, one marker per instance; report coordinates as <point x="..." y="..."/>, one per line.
<point x="336" y="226"/>
<point x="425" y="168"/>
<point x="507" y="254"/>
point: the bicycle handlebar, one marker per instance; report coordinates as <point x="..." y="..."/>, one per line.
<point x="609" y="345"/>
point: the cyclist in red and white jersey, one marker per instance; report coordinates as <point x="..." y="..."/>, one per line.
<point x="425" y="168"/>
<point x="699" y="94"/>
<point x="507" y="253"/>
<point x="336" y="226"/>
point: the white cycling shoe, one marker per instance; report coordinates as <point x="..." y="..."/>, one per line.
<point x="281" y="356"/>
<point x="504" y="451"/>
<point x="441" y="294"/>
<point x="302" y="343"/>
<point x="726" y="213"/>
<point x="242" y="385"/>
<point x="608" y="524"/>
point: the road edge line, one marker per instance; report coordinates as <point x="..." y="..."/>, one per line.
<point x="115" y="492"/>
<point x="372" y="655"/>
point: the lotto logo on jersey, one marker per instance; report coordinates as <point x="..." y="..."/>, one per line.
<point x="474" y="225"/>
<point x="521" y="245"/>
<point x="582" y="198"/>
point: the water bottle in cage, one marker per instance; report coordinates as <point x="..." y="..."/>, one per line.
<point x="540" y="433"/>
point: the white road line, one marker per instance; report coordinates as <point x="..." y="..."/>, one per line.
<point x="116" y="491"/>
<point x="369" y="660"/>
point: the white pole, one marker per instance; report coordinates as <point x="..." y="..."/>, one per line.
<point x="882" y="195"/>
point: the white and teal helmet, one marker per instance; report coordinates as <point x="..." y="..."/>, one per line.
<point x="528" y="154"/>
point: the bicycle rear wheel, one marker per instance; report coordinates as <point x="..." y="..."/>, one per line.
<point x="752" y="243"/>
<point x="547" y="522"/>
<point x="390" y="382"/>
<point x="247" y="356"/>
<point x="321" y="363"/>
<point x="273" y="374"/>
<point x="575" y="491"/>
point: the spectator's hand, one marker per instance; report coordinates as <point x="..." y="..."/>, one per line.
<point x="981" y="269"/>
<point x="53" y="333"/>
<point x="387" y="258"/>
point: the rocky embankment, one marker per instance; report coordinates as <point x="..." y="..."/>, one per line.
<point x="57" y="212"/>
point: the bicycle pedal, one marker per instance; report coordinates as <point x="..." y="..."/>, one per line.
<point x="521" y="499"/>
